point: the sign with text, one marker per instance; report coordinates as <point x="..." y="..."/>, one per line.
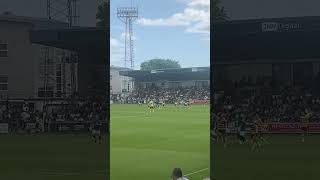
<point x="290" y="128"/>
<point x="200" y="101"/>
<point x="278" y="27"/>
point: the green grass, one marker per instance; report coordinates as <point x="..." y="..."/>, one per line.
<point x="284" y="158"/>
<point x="149" y="146"/>
<point x="52" y="157"/>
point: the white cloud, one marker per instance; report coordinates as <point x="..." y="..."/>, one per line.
<point x="201" y="27"/>
<point x="195" y="17"/>
<point x="204" y="3"/>
<point x="177" y="19"/>
<point x="172" y="21"/>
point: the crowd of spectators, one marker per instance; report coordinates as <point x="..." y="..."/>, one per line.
<point x="80" y="110"/>
<point x="287" y="106"/>
<point x="168" y="96"/>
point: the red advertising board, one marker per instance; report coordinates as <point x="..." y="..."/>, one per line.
<point x="290" y="127"/>
<point x="200" y="101"/>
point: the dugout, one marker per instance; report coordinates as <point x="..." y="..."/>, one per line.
<point x="171" y="78"/>
<point x="275" y="52"/>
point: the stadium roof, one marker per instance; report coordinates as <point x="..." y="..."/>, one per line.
<point x="57" y="34"/>
<point x="266" y="40"/>
<point x="36" y="22"/>
<point x="118" y="68"/>
<point x="180" y="74"/>
<point x="75" y="39"/>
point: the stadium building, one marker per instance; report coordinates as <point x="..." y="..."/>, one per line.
<point x="38" y="55"/>
<point x="22" y="64"/>
<point x="46" y="65"/>
<point x="170" y="78"/>
<point x="278" y="52"/>
<point x="119" y="84"/>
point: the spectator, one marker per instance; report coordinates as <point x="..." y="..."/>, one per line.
<point x="177" y="174"/>
<point x="165" y="95"/>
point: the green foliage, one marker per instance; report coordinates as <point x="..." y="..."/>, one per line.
<point x="219" y="13"/>
<point x="159" y="64"/>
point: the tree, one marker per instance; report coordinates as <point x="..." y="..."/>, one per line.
<point x="219" y="13"/>
<point x="103" y="14"/>
<point x="154" y="64"/>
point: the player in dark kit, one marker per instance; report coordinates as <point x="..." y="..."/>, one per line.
<point x="187" y="104"/>
<point x="96" y="130"/>
<point x="222" y="127"/>
<point x="304" y="124"/>
<point x="257" y="138"/>
<point x="163" y="104"/>
<point x="213" y="128"/>
<point x="241" y="132"/>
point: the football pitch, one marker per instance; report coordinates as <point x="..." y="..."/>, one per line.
<point x="52" y="157"/>
<point x="283" y="157"/>
<point x="149" y="145"/>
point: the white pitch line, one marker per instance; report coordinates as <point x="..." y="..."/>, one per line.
<point x="201" y="170"/>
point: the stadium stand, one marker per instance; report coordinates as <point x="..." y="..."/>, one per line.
<point x="168" y="85"/>
<point x="276" y="81"/>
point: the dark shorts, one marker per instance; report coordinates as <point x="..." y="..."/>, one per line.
<point x="253" y="134"/>
<point x="222" y="131"/>
<point x="304" y="129"/>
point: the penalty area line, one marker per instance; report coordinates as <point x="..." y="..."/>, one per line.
<point x="196" y="172"/>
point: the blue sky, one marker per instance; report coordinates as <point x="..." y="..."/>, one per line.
<point x="173" y="29"/>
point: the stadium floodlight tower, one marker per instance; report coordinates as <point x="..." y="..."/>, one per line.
<point x="64" y="10"/>
<point x="128" y="15"/>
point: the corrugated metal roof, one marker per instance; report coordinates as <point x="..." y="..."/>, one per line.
<point x="180" y="74"/>
<point x="76" y="39"/>
<point x="37" y="22"/>
<point x="279" y="19"/>
<point x="119" y="68"/>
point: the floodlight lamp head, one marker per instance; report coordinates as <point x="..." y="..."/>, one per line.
<point x="130" y="12"/>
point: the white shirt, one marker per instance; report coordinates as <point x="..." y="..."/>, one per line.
<point x="182" y="178"/>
